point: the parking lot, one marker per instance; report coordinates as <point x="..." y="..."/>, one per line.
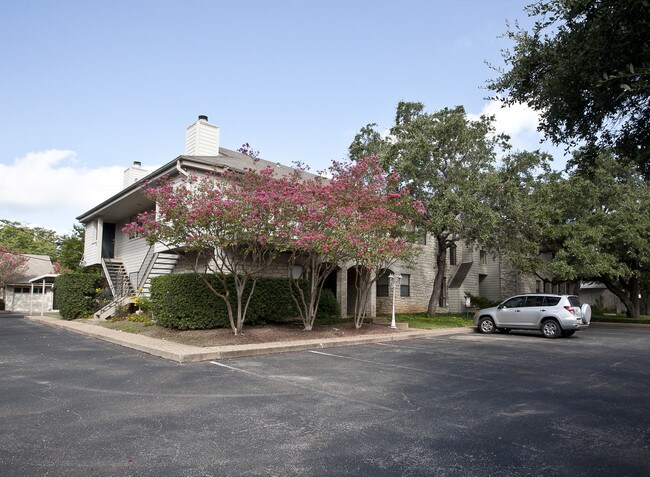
<point x="456" y="405"/>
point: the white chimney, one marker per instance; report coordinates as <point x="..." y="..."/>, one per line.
<point x="134" y="173"/>
<point x="202" y="138"/>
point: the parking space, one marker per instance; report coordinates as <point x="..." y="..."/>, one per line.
<point x="462" y="404"/>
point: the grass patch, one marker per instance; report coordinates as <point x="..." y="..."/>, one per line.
<point x="643" y="320"/>
<point x="443" y="320"/>
<point x="126" y="326"/>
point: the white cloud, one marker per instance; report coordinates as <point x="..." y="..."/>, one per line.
<point x="518" y="121"/>
<point x="50" y="188"/>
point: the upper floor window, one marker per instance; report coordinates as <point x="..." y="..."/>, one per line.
<point x="453" y="260"/>
<point x="483" y="257"/>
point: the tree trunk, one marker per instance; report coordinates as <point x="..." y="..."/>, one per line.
<point x="441" y="269"/>
<point x="629" y="295"/>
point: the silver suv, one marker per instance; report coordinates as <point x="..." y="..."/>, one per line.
<point x="553" y="315"/>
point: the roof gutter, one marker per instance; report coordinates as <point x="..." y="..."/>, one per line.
<point x="180" y="169"/>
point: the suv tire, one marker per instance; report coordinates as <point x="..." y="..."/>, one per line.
<point x="486" y="325"/>
<point x="551" y="329"/>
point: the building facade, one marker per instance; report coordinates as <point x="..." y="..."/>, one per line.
<point x="129" y="262"/>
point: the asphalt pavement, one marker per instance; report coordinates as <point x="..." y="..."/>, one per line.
<point x="461" y="404"/>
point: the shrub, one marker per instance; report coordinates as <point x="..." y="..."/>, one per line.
<point x="598" y="308"/>
<point x="76" y="294"/>
<point x="481" y="301"/>
<point x="183" y="301"/>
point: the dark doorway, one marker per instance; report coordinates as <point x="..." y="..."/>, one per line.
<point x="108" y="241"/>
<point x="330" y="281"/>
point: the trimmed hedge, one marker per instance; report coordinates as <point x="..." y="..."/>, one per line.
<point x="183" y="301"/>
<point x="75" y="293"/>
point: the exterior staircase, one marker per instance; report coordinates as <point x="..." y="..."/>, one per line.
<point x="120" y="285"/>
<point x="124" y="288"/>
<point x="163" y="264"/>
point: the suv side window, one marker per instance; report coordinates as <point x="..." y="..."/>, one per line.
<point x="515" y="302"/>
<point x="551" y="300"/>
<point x="534" y="301"/>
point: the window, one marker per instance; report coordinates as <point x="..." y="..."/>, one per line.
<point x="37" y="289"/>
<point x="452" y="255"/>
<point x="383" y="285"/>
<point x="538" y="286"/>
<point x="534" y="301"/>
<point x="483" y="257"/>
<point x="405" y="285"/>
<point x="515" y="302"/>
<point x="551" y="300"/>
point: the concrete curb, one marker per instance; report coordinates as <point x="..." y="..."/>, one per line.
<point x="186" y="354"/>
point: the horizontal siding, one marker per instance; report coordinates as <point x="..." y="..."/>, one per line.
<point x="91" y="244"/>
<point x="131" y="251"/>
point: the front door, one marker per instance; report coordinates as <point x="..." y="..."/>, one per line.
<point x="509" y="312"/>
<point x="108" y="241"/>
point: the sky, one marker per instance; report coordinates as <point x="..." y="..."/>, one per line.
<point x="89" y="87"/>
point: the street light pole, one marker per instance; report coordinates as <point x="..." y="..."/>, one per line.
<point x="394" y="279"/>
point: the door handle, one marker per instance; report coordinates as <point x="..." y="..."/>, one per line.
<point x="542" y="310"/>
<point x="517" y="311"/>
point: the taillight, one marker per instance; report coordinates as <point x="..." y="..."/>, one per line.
<point x="570" y="309"/>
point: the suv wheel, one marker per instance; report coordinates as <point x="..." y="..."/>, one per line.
<point x="486" y="325"/>
<point x="551" y="329"/>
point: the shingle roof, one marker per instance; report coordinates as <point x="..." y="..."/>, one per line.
<point x="37" y="266"/>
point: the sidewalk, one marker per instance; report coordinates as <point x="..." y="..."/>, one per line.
<point x="186" y="354"/>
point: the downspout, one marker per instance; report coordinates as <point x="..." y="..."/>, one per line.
<point x="180" y="169"/>
<point x="31" y="299"/>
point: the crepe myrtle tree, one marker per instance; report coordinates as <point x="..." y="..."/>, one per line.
<point x="309" y="235"/>
<point x="12" y="266"/>
<point x="374" y="222"/>
<point x="359" y="215"/>
<point x="226" y="219"/>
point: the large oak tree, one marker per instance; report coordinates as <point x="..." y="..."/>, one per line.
<point x="584" y="65"/>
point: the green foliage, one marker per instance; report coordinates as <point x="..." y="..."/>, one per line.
<point x="598" y="308"/>
<point x="448" y="162"/>
<point x="481" y="301"/>
<point x="592" y="225"/>
<point x="585" y="67"/>
<point x="121" y="312"/>
<point x="71" y="249"/>
<point x="26" y="239"/>
<point x="328" y="307"/>
<point x="183" y="301"/>
<point x="76" y="294"/>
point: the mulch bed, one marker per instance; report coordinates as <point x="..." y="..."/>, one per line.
<point x="263" y="333"/>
